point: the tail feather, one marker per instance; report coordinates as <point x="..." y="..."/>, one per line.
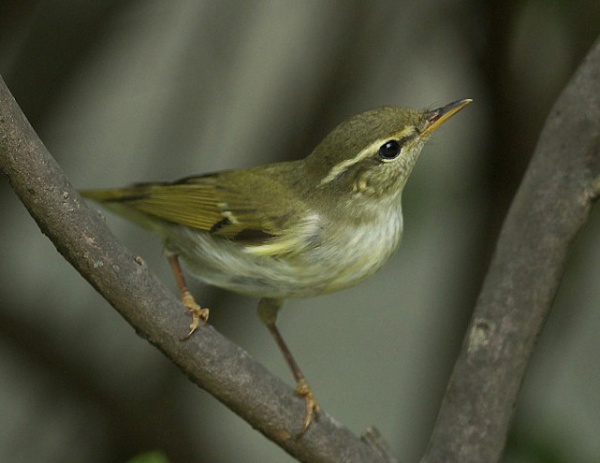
<point x="111" y="195"/>
<point x="124" y="202"/>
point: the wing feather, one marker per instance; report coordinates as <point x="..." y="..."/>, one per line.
<point x="222" y="204"/>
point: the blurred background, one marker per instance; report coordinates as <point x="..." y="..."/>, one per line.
<point x="123" y="91"/>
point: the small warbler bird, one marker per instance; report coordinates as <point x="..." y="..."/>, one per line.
<point x="290" y="229"/>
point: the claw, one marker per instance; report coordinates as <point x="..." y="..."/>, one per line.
<point x="312" y="406"/>
<point x="198" y="314"/>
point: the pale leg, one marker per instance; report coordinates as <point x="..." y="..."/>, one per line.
<point x="267" y="310"/>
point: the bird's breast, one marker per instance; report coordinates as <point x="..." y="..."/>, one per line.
<point x="350" y="254"/>
<point x="318" y="255"/>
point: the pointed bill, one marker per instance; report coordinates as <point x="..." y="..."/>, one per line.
<point x="439" y="116"/>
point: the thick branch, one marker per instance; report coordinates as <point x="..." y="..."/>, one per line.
<point x="211" y="361"/>
<point x="551" y="206"/>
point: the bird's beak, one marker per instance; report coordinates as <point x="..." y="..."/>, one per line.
<point x="438" y="116"/>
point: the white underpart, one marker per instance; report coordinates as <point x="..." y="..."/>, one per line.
<point x="321" y="263"/>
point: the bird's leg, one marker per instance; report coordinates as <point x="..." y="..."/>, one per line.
<point x="198" y="313"/>
<point x="267" y="310"/>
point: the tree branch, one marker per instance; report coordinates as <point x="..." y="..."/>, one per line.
<point x="551" y="206"/>
<point x="208" y="359"/>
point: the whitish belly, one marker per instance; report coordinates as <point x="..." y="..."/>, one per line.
<point x="324" y="265"/>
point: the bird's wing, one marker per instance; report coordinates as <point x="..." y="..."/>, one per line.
<point x="225" y="204"/>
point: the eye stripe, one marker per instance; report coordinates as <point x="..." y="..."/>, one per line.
<point x="402" y="137"/>
<point x="343" y="166"/>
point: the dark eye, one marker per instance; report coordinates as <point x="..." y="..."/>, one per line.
<point x="390" y="149"/>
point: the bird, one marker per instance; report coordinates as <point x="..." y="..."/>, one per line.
<point x="294" y="229"/>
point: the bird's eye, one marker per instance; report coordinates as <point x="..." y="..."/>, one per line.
<point x="390" y="150"/>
